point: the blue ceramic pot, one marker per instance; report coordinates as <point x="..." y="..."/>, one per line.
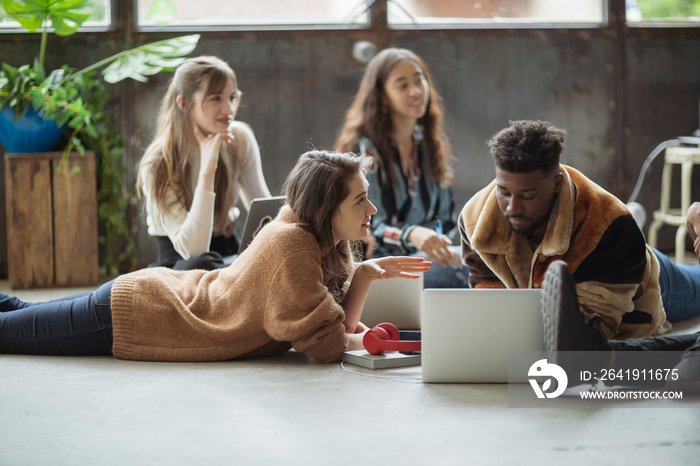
<point x="31" y="133"/>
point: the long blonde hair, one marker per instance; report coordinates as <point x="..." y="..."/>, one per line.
<point x="169" y="156"/>
<point x="315" y="188"/>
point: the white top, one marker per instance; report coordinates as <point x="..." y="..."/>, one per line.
<point x="191" y="232"/>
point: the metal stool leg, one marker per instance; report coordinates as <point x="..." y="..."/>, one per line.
<point x="657" y="223"/>
<point x="686" y="187"/>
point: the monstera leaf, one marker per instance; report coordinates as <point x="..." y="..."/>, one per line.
<point x="65" y="16"/>
<point x="147" y="60"/>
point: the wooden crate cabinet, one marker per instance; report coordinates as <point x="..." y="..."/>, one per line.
<point x="51" y="220"/>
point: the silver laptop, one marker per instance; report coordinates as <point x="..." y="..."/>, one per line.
<point x="466" y="334"/>
<point x="394" y="300"/>
<point x="262" y="211"/>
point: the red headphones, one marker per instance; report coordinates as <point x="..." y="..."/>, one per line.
<point x="385" y="337"/>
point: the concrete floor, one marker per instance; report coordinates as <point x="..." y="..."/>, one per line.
<point x="286" y="409"/>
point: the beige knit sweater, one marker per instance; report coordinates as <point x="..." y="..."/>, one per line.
<point x="271" y="298"/>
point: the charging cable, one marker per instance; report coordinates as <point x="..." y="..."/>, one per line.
<point x="647" y="164"/>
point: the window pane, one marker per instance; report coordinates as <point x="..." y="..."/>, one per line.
<point x="100" y="17"/>
<point x="195" y="13"/>
<point x="495" y="12"/>
<point x="663" y="11"/>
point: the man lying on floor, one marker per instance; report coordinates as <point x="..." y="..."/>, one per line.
<point x="538" y="211"/>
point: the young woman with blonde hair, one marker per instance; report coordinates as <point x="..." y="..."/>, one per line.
<point x="396" y="117"/>
<point x="200" y="161"/>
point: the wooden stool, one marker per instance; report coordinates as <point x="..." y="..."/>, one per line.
<point x="686" y="157"/>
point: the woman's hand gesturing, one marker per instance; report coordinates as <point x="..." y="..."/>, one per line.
<point x="392" y="267"/>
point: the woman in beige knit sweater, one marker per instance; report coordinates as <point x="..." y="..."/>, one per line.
<point x="294" y="287"/>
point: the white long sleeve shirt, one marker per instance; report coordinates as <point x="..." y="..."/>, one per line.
<point x="191" y="231"/>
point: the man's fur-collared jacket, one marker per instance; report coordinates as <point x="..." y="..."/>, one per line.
<point x="616" y="273"/>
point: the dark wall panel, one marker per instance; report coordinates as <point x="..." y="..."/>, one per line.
<point x="662" y="97"/>
<point x="616" y="95"/>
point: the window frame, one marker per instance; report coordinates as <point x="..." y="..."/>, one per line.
<point x="123" y="23"/>
<point x="662" y="24"/>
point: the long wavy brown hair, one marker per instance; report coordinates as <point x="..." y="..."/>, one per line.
<point x="366" y="118"/>
<point x="315" y="188"/>
<point x="169" y="156"/>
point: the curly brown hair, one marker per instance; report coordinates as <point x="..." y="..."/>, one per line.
<point x="526" y="146"/>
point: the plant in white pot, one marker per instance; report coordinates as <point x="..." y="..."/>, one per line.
<point x="78" y="100"/>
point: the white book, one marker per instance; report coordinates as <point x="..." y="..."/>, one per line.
<point x="380" y="361"/>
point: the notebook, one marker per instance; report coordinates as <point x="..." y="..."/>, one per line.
<point x="261" y="212"/>
<point x="388" y="358"/>
<point x="468" y="333"/>
<point x="394" y="300"/>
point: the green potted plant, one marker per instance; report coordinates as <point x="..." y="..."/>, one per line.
<point x="77" y="100"/>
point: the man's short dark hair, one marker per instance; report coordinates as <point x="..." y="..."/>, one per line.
<point x="528" y="145"/>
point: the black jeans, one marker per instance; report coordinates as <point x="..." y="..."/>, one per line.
<point x="661" y="343"/>
<point x="660" y="353"/>
<point x="75" y="325"/>
<point x="219" y="248"/>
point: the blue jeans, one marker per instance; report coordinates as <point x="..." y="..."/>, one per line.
<point x="680" y="288"/>
<point x="445" y="277"/>
<point x="75" y="325"/>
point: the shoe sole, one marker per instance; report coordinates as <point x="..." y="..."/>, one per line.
<point x="558" y="295"/>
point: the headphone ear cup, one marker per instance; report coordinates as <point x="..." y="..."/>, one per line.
<point x="391" y="329"/>
<point x="372" y="340"/>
